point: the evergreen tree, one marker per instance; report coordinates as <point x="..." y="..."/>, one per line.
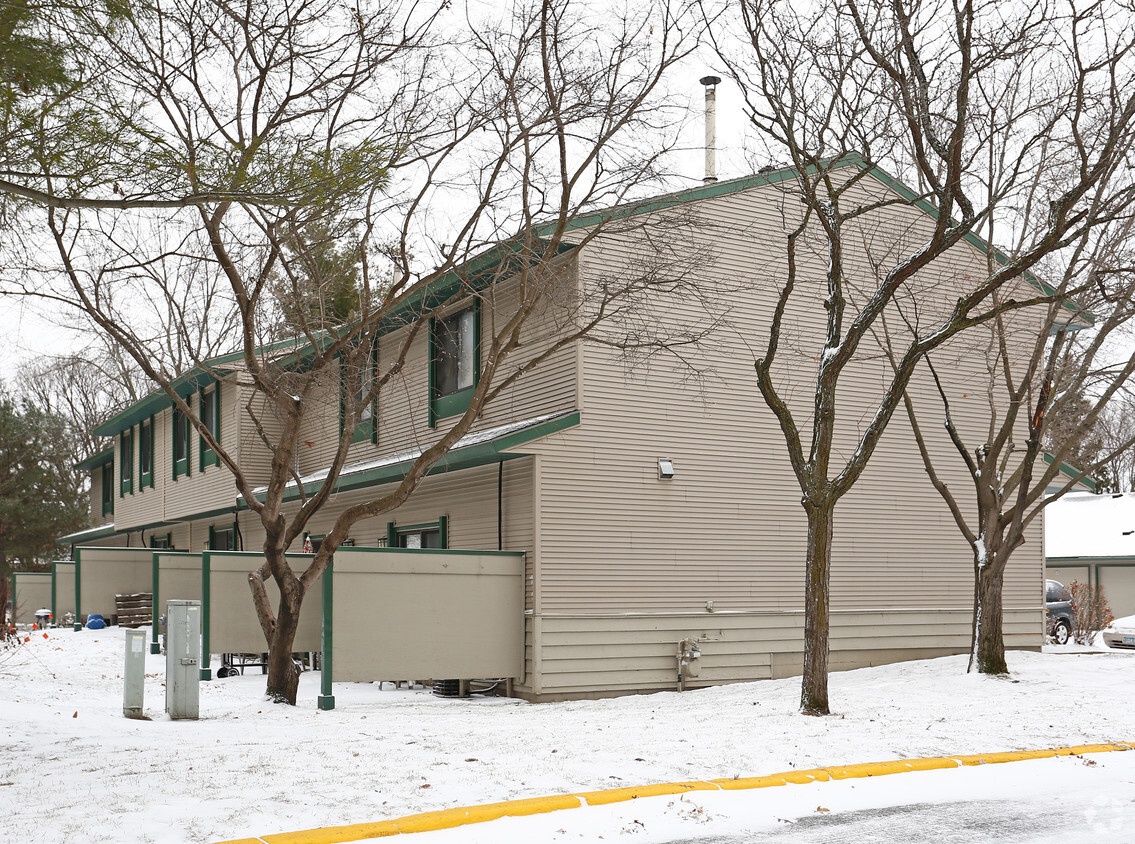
<point x="41" y="495"/>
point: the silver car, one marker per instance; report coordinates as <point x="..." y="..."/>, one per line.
<point x="1121" y="633"/>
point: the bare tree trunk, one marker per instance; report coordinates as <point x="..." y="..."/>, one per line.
<point x="987" y="646"/>
<point x="283" y="674"/>
<point x="814" y="688"/>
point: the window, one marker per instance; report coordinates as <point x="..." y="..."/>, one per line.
<point x="423" y="538"/>
<point x="210" y="409"/>
<point x="165" y="541"/>
<point x="433" y="535"/>
<point x="126" y="462"/>
<point x="454" y="362"/>
<point x="222" y="539"/>
<point x="359" y="384"/>
<point x="146" y="453"/>
<point x="180" y="436"/>
<point x="108" y="489"/>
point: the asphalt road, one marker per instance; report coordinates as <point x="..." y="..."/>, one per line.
<point x="1062" y="819"/>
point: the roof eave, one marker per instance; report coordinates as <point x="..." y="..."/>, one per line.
<point x="491" y="451"/>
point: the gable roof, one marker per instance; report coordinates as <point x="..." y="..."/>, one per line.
<point x="783" y="174"/>
<point x="1071" y="471"/>
<point x="97" y="459"/>
<point x="480" y="270"/>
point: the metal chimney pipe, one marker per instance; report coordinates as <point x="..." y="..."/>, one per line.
<point x="710" y="83"/>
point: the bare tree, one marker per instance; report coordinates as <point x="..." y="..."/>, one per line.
<point x="1066" y="366"/>
<point x="286" y="145"/>
<point x="1102" y="446"/>
<point x="973" y="105"/>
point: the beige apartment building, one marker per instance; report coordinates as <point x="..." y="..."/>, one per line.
<point x="652" y="498"/>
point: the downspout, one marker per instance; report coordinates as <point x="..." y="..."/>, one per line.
<point x="236" y="526"/>
<point x="500" y="510"/>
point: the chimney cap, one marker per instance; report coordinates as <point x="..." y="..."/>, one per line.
<point x="710" y="80"/>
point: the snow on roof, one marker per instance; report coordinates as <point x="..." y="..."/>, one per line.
<point x="412" y="454"/>
<point x="96" y="532"/>
<point x="1087" y="525"/>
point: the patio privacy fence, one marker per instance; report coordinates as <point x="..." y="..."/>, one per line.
<point x="379" y="613"/>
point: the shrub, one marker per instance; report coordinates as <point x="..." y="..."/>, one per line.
<point x="1090" y="612"/>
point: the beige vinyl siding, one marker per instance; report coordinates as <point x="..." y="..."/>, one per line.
<point x="97" y="517"/>
<point x="468" y="498"/>
<point x="729" y="528"/>
<point x="403" y="405"/>
<point x="201" y="490"/>
<point x="603" y="655"/>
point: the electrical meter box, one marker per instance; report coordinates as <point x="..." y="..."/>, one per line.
<point x="134" y="675"/>
<point x="183" y="657"/>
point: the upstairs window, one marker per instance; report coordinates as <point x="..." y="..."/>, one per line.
<point x="108" y="489"/>
<point x="180" y="440"/>
<point x="358" y="384"/>
<point x="146" y="453"/>
<point x="454" y="362"/>
<point x="126" y="462"/>
<point x="210" y="408"/>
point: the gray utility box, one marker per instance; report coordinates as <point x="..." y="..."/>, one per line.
<point x="183" y="658"/>
<point x="134" y="675"/>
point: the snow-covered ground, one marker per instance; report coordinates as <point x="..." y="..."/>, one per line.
<point x="73" y="769"/>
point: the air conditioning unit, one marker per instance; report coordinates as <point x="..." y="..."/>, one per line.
<point x="451" y="688"/>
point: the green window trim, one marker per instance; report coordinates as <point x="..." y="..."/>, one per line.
<point x="395" y="532"/>
<point x="162" y="542"/>
<point x="455" y="403"/>
<point x="126" y="463"/>
<point x="366" y="429"/>
<point x="216" y="532"/>
<point x="146" y="450"/>
<point x="107" y="491"/>
<point x="209" y="408"/>
<point x="179" y="434"/>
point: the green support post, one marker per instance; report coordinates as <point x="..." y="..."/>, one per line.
<point x="155" y="645"/>
<point x="78" y="615"/>
<point x="54" y="573"/>
<point x="326" y="699"/>
<point x="206" y="656"/>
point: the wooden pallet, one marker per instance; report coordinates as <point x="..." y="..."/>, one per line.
<point x="134" y="610"/>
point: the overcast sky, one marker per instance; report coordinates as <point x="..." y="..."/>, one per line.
<point x="27" y="334"/>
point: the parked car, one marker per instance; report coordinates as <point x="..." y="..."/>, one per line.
<point x="1058" y="611"/>
<point x="1120" y="633"/>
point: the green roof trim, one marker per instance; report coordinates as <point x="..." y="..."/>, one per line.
<point x="88" y="535"/>
<point x="463" y="457"/>
<point x="185" y="386"/>
<point x="95" y="460"/>
<point x="1072" y="472"/>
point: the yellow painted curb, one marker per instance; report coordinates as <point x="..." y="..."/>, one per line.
<point x="449" y="818"/>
